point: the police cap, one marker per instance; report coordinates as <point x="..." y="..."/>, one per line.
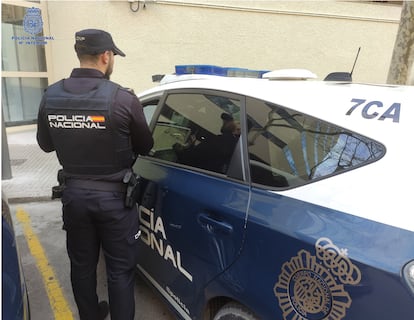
<point x="94" y="41"/>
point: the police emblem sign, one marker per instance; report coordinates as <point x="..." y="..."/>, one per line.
<point x="32" y="21"/>
<point x="313" y="287"/>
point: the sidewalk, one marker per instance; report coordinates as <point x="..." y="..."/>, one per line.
<point x="33" y="171"/>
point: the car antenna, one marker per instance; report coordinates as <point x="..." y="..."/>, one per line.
<point x="356" y="58"/>
<point x="343" y="76"/>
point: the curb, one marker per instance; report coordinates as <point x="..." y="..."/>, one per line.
<point x="17" y="200"/>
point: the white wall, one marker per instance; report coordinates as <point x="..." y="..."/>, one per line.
<point x="322" y="36"/>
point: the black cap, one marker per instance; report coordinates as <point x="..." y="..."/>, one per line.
<point x="94" y="41"/>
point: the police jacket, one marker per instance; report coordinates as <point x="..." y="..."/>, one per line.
<point x="96" y="127"/>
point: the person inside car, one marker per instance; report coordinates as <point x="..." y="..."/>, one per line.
<point x="213" y="153"/>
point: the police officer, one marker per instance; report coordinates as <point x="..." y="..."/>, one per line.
<point x="97" y="129"/>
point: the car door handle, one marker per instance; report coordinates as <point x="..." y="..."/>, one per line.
<point x="214" y="225"/>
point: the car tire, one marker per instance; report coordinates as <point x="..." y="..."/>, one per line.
<point x="234" y="311"/>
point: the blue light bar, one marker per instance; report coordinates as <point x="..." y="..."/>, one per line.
<point x="218" y="71"/>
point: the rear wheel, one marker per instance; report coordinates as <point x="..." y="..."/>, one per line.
<point x="234" y="311"/>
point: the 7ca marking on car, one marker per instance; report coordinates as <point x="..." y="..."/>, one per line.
<point x="372" y="110"/>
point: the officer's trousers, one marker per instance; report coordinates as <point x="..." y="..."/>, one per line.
<point x="94" y="219"/>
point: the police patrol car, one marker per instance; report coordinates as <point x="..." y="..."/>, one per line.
<point x="305" y="213"/>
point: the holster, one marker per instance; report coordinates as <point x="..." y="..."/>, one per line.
<point x="133" y="188"/>
<point x="57" y="191"/>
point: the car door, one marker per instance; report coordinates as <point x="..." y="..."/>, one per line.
<point x="305" y="257"/>
<point x="194" y="202"/>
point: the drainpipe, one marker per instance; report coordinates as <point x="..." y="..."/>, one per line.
<point x="401" y="69"/>
<point x="6" y="172"/>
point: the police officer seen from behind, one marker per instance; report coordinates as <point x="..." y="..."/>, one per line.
<point x="97" y="129"/>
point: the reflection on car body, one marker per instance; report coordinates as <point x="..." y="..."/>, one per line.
<point x="307" y="219"/>
<point x="15" y="303"/>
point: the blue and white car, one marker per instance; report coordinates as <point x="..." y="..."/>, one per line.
<point x="305" y="214"/>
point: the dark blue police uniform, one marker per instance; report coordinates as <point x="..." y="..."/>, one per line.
<point x="96" y="128"/>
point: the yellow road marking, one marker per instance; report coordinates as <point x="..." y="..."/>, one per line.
<point x="58" y="303"/>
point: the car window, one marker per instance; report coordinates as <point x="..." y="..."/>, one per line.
<point x="149" y="108"/>
<point x="287" y="148"/>
<point x="197" y="129"/>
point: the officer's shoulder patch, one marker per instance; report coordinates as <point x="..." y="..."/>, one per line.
<point x="130" y="90"/>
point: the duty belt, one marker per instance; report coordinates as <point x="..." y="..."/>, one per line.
<point x="96" y="185"/>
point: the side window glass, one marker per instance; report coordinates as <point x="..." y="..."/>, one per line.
<point x="199" y="130"/>
<point x="149" y="109"/>
<point x="288" y="149"/>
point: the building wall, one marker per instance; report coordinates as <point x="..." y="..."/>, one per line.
<point x="322" y="36"/>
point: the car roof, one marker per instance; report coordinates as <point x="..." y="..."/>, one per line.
<point x="329" y="101"/>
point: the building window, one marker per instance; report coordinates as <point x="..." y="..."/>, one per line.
<point x="21" y="98"/>
<point x="24" y="69"/>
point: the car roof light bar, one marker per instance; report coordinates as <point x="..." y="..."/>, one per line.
<point x="212" y="70"/>
<point x="218" y="71"/>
